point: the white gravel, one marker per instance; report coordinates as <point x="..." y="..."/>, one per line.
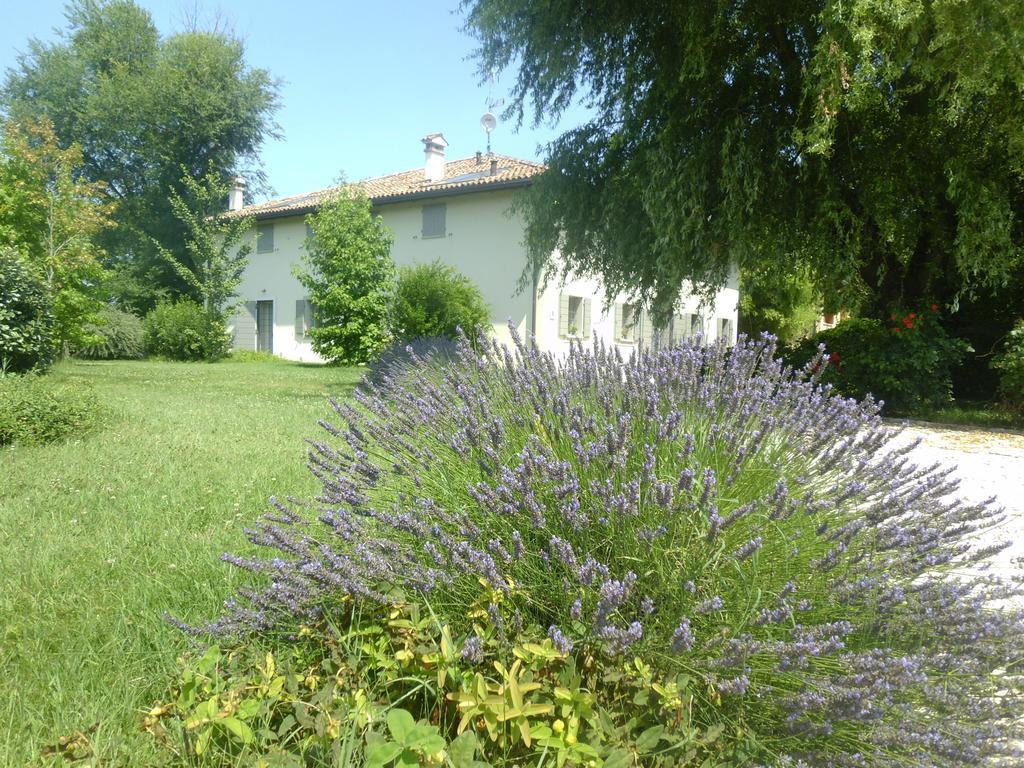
<point x="987" y="463"/>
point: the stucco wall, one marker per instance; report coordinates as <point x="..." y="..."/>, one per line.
<point x="269" y="277"/>
<point x="484" y="242"/>
<point x="603" y="320"/>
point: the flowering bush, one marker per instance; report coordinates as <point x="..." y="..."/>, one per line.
<point x="800" y="588"/>
<point x="905" y="363"/>
<point x="1010" y="365"/>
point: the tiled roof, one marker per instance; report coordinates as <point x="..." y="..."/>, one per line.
<point x="460" y="176"/>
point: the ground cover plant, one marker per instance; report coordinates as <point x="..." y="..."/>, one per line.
<point x="697" y="557"/>
<point x="103" y="532"/>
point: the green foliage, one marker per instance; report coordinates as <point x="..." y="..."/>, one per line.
<point x="784" y="304"/>
<point x="906" y="363"/>
<point x="347" y="270"/>
<point x="182" y="330"/>
<point x="1010" y="365"/>
<point x="141" y="107"/>
<point x="876" y="144"/>
<point x="53" y="218"/>
<point x="215" y="256"/>
<point x="391" y="687"/>
<point x="34" y="409"/>
<point x="27" y="339"/>
<point x="435" y="300"/>
<point x="117" y="335"/>
<point x="253" y="356"/>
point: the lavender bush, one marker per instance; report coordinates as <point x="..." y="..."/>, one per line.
<point x="705" y="509"/>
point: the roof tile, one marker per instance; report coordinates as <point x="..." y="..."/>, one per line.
<point x="460" y="176"/>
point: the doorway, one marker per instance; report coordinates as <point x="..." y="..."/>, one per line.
<point x="265" y="326"/>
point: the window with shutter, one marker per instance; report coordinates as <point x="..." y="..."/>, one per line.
<point x="627" y="322"/>
<point x="573" y="316"/>
<point x="434" y="220"/>
<point x="725" y="329"/>
<point x="264" y="238"/>
<point x="696" y="325"/>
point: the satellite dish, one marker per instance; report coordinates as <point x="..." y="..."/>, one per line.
<point x="488" y="122"/>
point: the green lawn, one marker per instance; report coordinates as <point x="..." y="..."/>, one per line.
<point x="102" y="534"/>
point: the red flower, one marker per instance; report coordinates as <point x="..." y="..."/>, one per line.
<point x="908" y="322"/>
<point x="935" y="307"/>
<point x="912" y="315"/>
<point x="897" y="330"/>
<point x="892" y="316"/>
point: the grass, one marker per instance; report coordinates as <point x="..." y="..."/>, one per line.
<point x="102" y="534"/>
<point x="974" y="414"/>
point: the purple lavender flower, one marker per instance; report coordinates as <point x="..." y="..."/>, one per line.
<point x="562" y="643"/>
<point x="473" y="650"/>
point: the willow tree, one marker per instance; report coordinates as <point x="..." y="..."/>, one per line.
<point x="879" y="146"/>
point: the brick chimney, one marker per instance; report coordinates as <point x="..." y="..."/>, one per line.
<point x="433" y="152"/>
<point x="236" y="196"/>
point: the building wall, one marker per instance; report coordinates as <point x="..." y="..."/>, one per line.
<point x="270" y="277"/>
<point x="603" y="318"/>
<point x="483" y="241"/>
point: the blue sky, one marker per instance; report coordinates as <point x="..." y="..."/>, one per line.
<point x="362" y="82"/>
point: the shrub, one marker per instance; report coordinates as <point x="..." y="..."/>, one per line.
<point x="433" y="300"/>
<point x="182" y="330"/>
<point x="34" y="409"/>
<point x="906" y="363"/>
<point x="118" y="335"/>
<point x="1010" y="365"/>
<point x="719" y="552"/>
<point x="27" y="340"/>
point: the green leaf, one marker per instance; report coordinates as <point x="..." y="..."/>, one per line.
<point x="380" y="753"/>
<point x="649" y="739"/>
<point x="401" y="724"/>
<point x="462" y="751"/>
<point x="238" y="729"/>
<point x="618" y="758"/>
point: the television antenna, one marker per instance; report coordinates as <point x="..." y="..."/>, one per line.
<point x="488" y="122"/>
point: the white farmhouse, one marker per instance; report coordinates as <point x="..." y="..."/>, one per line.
<point x="458" y="212"/>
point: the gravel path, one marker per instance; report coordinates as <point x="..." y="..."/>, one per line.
<point x="987" y="464"/>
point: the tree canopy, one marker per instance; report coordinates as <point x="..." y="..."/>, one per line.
<point x="53" y="218"/>
<point x="142" y="107"/>
<point x="879" y="146"/>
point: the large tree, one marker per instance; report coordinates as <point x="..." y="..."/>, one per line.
<point x="878" y="145"/>
<point x="142" y="107"/>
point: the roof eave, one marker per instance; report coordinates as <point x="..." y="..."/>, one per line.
<point x="399" y="198"/>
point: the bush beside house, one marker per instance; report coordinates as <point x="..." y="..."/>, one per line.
<point x="435" y="300"/>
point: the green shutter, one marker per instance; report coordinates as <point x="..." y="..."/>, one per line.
<point x="646" y="330"/>
<point x="300" y="319"/>
<point x="563" y="315"/>
<point x="585" y="330"/>
<point x="618" y="322"/>
<point x="264" y="238"/>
